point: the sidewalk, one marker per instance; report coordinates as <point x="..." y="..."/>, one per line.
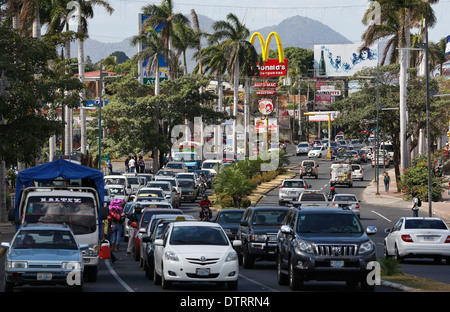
<point x="439" y="209"/>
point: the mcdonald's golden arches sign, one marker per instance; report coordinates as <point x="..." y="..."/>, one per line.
<point x="271" y="67"/>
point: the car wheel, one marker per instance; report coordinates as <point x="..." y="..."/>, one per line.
<point x="233" y="285"/>
<point x="247" y="260"/>
<point x="282" y="279"/>
<point x="397" y="255"/>
<point x="295" y="282"/>
<point x="386" y="252"/>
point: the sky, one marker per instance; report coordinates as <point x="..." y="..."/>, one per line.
<point x="343" y="16"/>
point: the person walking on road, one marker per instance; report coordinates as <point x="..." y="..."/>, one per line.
<point x="387" y="179"/>
<point x="415" y="205"/>
<point x="110" y="166"/>
<point x="132" y="165"/>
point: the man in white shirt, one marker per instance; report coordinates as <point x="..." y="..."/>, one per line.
<point x="132" y="165"/>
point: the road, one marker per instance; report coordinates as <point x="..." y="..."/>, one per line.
<point x="126" y="275"/>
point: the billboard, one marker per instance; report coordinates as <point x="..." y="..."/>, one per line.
<point x="271" y="67"/>
<point x="148" y="78"/>
<point x="343" y="60"/>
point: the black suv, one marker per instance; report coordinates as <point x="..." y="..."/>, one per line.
<point x="324" y="244"/>
<point x="258" y="231"/>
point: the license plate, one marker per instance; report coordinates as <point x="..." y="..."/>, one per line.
<point x="44" y="276"/>
<point x="428" y="238"/>
<point x="203" y="271"/>
<point x="292" y="192"/>
<point x="337" y="263"/>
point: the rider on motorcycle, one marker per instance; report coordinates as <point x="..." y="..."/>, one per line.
<point x="332" y="193"/>
<point x="203" y="180"/>
<point x="205" y="212"/>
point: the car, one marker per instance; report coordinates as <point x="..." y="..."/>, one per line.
<point x="118" y="179"/>
<point x="172" y="180"/>
<point x="290" y="190"/>
<point x="146" y="215"/>
<point x="134" y="181"/>
<point x="145" y="192"/>
<point x="195" y="251"/>
<point x="309" y="168"/>
<point x="147" y="231"/>
<point x="169" y="191"/>
<point x="229" y="219"/>
<point x="117" y="191"/>
<point x="148" y="177"/>
<point x="303" y="148"/>
<point x="355" y="157"/>
<point x="156" y="232"/>
<point x="357" y="172"/>
<point x="316" y="142"/>
<point x="341" y="174"/>
<point x="189" y="175"/>
<point x="414" y="237"/>
<point x="258" y="232"/>
<point x="318" y="151"/>
<point x="213" y="165"/>
<point x="43" y="254"/>
<point x="189" y="190"/>
<point x="324" y="245"/>
<point x="363" y="157"/>
<point x="176" y="166"/>
<point x="349" y="201"/>
<point x="383" y="160"/>
<point x="343" y="157"/>
<point x="312" y="195"/>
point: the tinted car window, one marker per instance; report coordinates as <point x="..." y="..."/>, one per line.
<point x="425" y="224"/>
<point x="293" y="184"/>
<point x="268" y="217"/>
<point x="197" y="235"/>
<point x="329" y="223"/>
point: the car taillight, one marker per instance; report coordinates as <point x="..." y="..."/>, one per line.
<point x="360" y="171"/>
<point x="447" y="240"/>
<point x="407" y="239"/>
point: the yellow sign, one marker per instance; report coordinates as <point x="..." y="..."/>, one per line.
<point x="265" y="45"/>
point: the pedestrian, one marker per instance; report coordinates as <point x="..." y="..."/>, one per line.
<point x="127" y="162"/>
<point x="110" y="166"/>
<point x="141" y="164"/>
<point x="132" y="165"/>
<point x="387" y="179"/>
<point x="133" y="218"/>
<point x="415" y="205"/>
<point x="449" y="191"/>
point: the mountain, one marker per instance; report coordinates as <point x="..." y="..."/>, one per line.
<point x="296" y="31"/>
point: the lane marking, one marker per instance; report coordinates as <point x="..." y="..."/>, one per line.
<point x="381" y="216"/>
<point x="257" y="283"/>
<point x="117" y="277"/>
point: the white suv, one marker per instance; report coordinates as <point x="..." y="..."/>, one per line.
<point x="290" y="189"/>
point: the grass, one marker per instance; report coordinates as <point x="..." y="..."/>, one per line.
<point x="418" y="283"/>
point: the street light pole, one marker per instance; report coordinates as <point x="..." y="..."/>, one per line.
<point x="378" y="128"/>
<point x="430" y="211"/>
<point x="100" y="120"/>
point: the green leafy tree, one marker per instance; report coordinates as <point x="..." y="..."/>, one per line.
<point x="230" y="181"/>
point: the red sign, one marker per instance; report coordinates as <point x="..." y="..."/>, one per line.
<point x="265" y="106"/>
<point x="265" y="84"/>
<point x="273" y="68"/>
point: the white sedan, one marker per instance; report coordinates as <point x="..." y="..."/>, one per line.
<point x="318" y="151"/>
<point x="414" y="237"/>
<point x="194" y="251"/>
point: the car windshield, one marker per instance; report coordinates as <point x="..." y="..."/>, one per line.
<point x="185" y="176"/>
<point x="186" y="183"/>
<point x="425" y="224"/>
<point x="44" y="239"/>
<point x="134" y="181"/>
<point x="329" y="223"/>
<point x="175" y="166"/>
<point x="198" y="235"/>
<point x="117" y="191"/>
<point x="164" y="186"/>
<point x="344" y="198"/>
<point x="76" y="211"/>
<point x="120" y="181"/>
<point x="209" y="165"/>
<point x="268" y="217"/>
<point x="303" y="145"/>
<point x="230" y="217"/>
<point x="294" y="184"/>
<point x="316" y="148"/>
<point x="312" y="197"/>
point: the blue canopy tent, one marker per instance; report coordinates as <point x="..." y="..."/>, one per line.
<point x="58" y="168"/>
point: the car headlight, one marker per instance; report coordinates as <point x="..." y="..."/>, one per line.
<point x="258" y="238"/>
<point x="72" y="265"/>
<point x="17" y="264"/>
<point x="232" y="256"/>
<point x="366" y="247"/>
<point x="303" y="246"/>
<point x="170" y="255"/>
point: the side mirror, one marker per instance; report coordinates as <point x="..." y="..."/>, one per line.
<point x="142" y="230"/>
<point x="237" y="243"/>
<point x="159" y="242"/>
<point x="286" y="229"/>
<point x="371" y="230"/>
<point x="244" y="222"/>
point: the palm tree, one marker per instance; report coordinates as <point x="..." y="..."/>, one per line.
<point x="437" y="54"/>
<point x="154" y="48"/>
<point x="164" y="17"/>
<point x="232" y="182"/>
<point x="183" y="39"/>
<point x="396" y="18"/>
<point x="232" y="35"/>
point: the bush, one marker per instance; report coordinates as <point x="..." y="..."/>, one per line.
<point x="415" y="179"/>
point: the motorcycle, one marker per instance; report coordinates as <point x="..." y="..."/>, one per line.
<point x="205" y="215"/>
